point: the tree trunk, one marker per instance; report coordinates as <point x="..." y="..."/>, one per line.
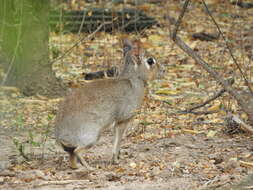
<point x="24" y="34"/>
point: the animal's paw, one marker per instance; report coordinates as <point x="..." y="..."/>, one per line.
<point x="115" y="159"/>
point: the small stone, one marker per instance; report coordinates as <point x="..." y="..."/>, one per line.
<point x="1" y="180"/>
<point x="133" y="165"/>
<point x="4" y="164"/>
<point x="156" y="171"/>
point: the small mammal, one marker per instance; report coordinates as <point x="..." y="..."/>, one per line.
<point x="86" y="111"/>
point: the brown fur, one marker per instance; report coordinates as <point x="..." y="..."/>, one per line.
<point x="86" y="111"/>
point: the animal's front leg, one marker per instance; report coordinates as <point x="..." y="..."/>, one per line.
<point x="118" y="134"/>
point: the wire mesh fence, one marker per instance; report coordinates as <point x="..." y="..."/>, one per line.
<point x="86" y="34"/>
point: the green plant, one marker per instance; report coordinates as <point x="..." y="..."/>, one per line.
<point x="20" y="121"/>
<point x="20" y="148"/>
<point x="29" y="141"/>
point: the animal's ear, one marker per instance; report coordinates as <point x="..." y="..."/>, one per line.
<point x="131" y="46"/>
<point x="136" y="48"/>
<point x="127" y="45"/>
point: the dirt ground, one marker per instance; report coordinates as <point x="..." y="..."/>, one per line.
<point x="183" y="161"/>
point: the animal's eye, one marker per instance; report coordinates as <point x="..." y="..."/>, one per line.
<point x="151" y="61"/>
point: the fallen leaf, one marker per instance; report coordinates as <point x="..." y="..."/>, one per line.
<point x="214" y="108"/>
<point x="166" y="92"/>
<point x="192" y="131"/>
<point x="120" y="170"/>
<point x="155" y="38"/>
<point x="211" y="133"/>
<point x="160" y="98"/>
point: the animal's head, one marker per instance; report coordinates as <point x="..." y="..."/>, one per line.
<point x="137" y="61"/>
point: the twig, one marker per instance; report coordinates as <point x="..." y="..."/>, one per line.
<point x="21" y="151"/>
<point x="179" y="20"/>
<point x="81" y="26"/>
<point x="229" y="49"/>
<point x="64" y="182"/>
<point x="215" y="96"/>
<point x="245" y="127"/>
<point x="7" y="173"/>
<point x="212" y="181"/>
<point x="207" y="123"/>
<point x="78" y="43"/>
<point x="131" y="21"/>
<point x="198" y="112"/>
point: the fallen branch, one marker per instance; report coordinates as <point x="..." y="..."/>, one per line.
<point x="246" y="164"/>
<point x="235" y="93"/>
<point x="245" y="5"/>
<point x="226" y="85"/>
<point x="229" y="49"/>
<point x="179" y="20"/>
<point x="243" y="126"/>
<point x="205" y="36"/>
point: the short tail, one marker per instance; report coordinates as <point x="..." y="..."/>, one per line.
<point x="68" y="149"/>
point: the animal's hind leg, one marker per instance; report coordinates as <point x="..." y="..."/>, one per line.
<point x="72" y="156"/>
<point x="78" y="153"/>
<point x="73" y="160"/>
